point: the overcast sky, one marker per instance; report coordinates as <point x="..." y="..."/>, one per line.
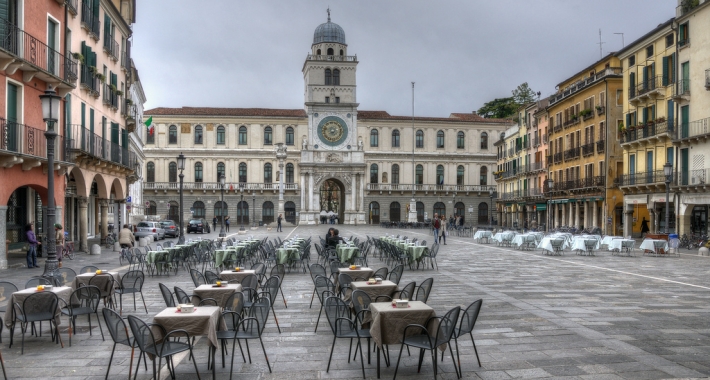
<point x="229" y="53"/>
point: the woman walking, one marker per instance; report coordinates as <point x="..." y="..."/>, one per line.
<point x="443" y="229"/>
<point x="278" y="225"/>
<point x="226" y="223"/>
<point x="59" y="240"/>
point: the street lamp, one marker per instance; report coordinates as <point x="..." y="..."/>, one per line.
<point x="253" y="207"/>
<point x="181" y="167"/>
<point x="668" y="172"/>
<point x="240" y="208"/>
<point x="490" y="218"/>
<point x="221" y="185"/>
<point x="50" y="106"/>
<point x="550" y="183"/>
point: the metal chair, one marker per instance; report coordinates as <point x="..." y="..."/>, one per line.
<point x="628" y="247"/>
<point x="338" y="314"/>
<point x="6" y="290"/>
<point x="424" y="289"/>
<point x="37" y="307"/>
<point x="119" y="334"/>
<point x="468" y="321"/>
<point x="381" y="273"/>
<point x="34" y="281"/>
<point x="88" y="269"/>
<point x="105" y="283"/>
<point x="231" y="321"/>
<point x="396" y="274"/>
<point x="235" y="302"/>
<point x="344" y="281"/>
<point x="557" y="245"/>
<point x="183" y="297"/>
<point x="324" y="289"/>
<point x="65" y="276"/>
<point x="88" y="298"/>
<point x="197" y="277"/>
<point x="132" y="283"/>
<point x="316" y="270"/>
<point x="280" y="270"/>
<point x="271" y="291"/>
<point x="167" y="295"/>
<point x="211" y="277"/>
<point x="407" y="291"/>
<point x="253" y="325"/>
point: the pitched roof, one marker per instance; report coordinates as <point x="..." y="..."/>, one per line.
<point x="454" y="117"/>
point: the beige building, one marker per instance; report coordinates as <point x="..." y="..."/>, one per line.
<point x="364" y="166"/>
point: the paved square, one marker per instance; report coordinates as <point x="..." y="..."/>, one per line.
<point x="574" y="317"/>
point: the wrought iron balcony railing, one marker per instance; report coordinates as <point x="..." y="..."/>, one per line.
<point x="90" y="22"/>
<point x="92" y="144"/>
<point x="600" y="146"/>
<point x="646" y="87"/>
<point x="20" y="139"/>
<point x="428" y="187"/>
<point x="110" y="96"/>
<point x="111" y="47"/>
<point x="697" y="177"/>
<point x="587" y="149"/>
<point x="682" y="89"/>
<point x="89" y="81"/>
<point x="557" y="158"/>
<point x="572" y="153"/>
<point x="237" y="186"/>
<point x="644" y="178"/>
<point x="572" y="89"/>
<point x="649" y="130"/>
<point x="694" y="129"/>
<point x="126" y="61"/>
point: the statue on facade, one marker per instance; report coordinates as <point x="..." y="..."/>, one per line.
<point x="304" y="144"/>
<point x="360" y="145"/>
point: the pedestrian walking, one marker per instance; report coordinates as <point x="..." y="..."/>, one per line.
<point x="214" y="223"/>
<point x="444" y="229"/>
<point x="32" y="251"/>
<point x="226" y="223"/>
<point x="59" y="241"/>
<point x="436" y="223"/>
<point x="278" y="224"/>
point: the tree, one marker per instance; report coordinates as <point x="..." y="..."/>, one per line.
<point x="523" y="94"/>
<point x="500" y="108"/>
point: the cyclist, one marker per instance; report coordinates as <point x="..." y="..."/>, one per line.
<point x="59" y="237"/>
<point x="125" y="237"/>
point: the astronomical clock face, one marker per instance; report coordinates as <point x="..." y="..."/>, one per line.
<point x="332" y="131"/>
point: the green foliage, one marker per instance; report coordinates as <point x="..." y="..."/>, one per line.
<point x="500" y="108"/>
<point x="523" y="94"/>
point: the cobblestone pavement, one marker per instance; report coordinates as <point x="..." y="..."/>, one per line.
<point x="572" y="317"/>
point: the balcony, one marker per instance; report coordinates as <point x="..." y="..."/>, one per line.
<point x="86" y="143"/>
<point x="544" y="138"/>
<point x="557" y="128"/>
<point x="89" y="81"/>
<point x="587" y="183"/>
<point x="110" y="96"/>
<point x="549" y="160"/>
<point x="22" y="51"/>
<point x="425" y="187"/>
<point x="693" y="177"/>
<point x="91" y="23"/>
<point x="22" y="144"/>
<point x="332" y="58"/>
<point x="511" y="152"/>
<point x="571" y="154"/>
<point x="682" y="90"/>
<point x="128" y="110"/>
<point x="647" y="90"/>
<point x="582" y="84"/>
<point x="111" y="47"/>
<point x="587" y="149"/>
<point x="215" y="186"/>
<point x="557" y="158"/>
<point x="600" y="146"/>
<point x="652" y="131"/>
<point x="536" y="142"/>
<point x="574" y="120"/>
<point x="644" y="179"/>
<point x="125" y="61"/>
<point x="695" y="131"/>
<point x="600" y="110"/>
<point x="72" y="6"/>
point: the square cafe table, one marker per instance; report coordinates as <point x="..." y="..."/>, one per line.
<point x="284" y="255"/>
<point x="386" y="288"/>
<point x="102" y="280"/>
<point x="363" y="272"/>
<point x="347" y="253"/>
<point x="62" y="292"/>
<point x="230" y="275"/>
<point x="220" y="294"/>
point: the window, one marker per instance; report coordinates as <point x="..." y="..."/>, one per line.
<point x="220" y="135"/>
<point x="152" y="209"/>
<point x="649" y="52"/>
<point x="395" y="210"/>
<point x="330" y="51"/>
<point x="632" y="60"/>
<point x="669" y="40"/>
<point x="420" y="139"/>
<point x="289" y="173"/>
<point x="218" y="210"/>
<point x="290" y="211"/>
<point x="172" y="134"/>
<point x="150" y="172"/>
<point x="242" y="172"/>
<point x="242" y="135"/>
<point x="374" y="213"/>
<point x="395" y="138"/>
<point x="268" y="134"/>
<point x="327" y="99"/>
<point x="267" y="212"/>
<point x="198" y="172"/>
<point x="669" y="63"/>
<point x="337" y="99"/>
<point x="440" y="139"/>
<point x="374" y="173"/>
<point x="172" y="172"/>
<point x="328" y="77"/>
<point x="198" y="134"/>
<point x="439" y="174"/>
<point x="243" y="212"/>
<point x="440" y="208"/>
<point x="460" y="137"/>
<point x="483" y="213"/>
<point x="336" y="77"/>
<point x="198" y="210"/>
<point x="484" y="140"/>
<point x="395" y="174"/>
<point x="484" y="176"/>
<point x="220" y="170"/>
<point x="289" y="136"/>
<point x="267" y="173"/>
<point x="459" y="175"/>
<point x="150" y="139"/>
<point x="374" y="138"/>
<point x="459" y="208"/>
<point x="419" y="176"/>
<point x="683" y="35"/>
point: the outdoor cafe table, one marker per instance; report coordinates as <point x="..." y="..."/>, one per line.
<point x="500" y="236"/>
<point x="354" y="274"/>
<point x="647" y="245"/>
<point x="62" y="292"/>
<point x="153" y="256"/>
<point x="231" y="275"/>
<point x="521" y="239"/>
<point x="417" y="251"/>
<point x="607" y="239"/>
<point x="616" y="244"/>
<point x="284" y="255"/>
<point x="579" y="243"/>
<point x="385" y="288"/>
<point x="547" y="246"/>
<point x="220" y="294"/>
<point x="102" y="281"/>
<point x="346" y="253"/>
<point x="480" y="235"/>
<point x="222" y="255"/>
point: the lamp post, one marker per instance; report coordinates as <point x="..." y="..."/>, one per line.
<point x="221" y="185"/>
<point x="240" y="209"/>
<point x="550" y="183"/>
<point x="668" y="172"/>
<point x="50" y="107"/>
<point x="181" y="167"/>
<point x="253" y="207"/>
<point x="490" y="218"/>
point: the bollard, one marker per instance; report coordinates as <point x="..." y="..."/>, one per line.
<point x="117" y="247"/>
<point x="95" y="249"/>
<point x="703" y="251"/>
<point x="142" y="242"/>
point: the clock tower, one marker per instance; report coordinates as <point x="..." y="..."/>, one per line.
<point x="332" y="158"/>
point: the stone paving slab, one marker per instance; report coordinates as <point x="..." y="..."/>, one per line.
<point x="571" y="317"/>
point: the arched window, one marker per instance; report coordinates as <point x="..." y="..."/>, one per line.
<point x="395" y="174"/>
<point x="289" y="136"/>
<point x="220" y="170"/>
<point x="459" y="210"/>
<point x="395" y="212"/>
<point x="459" y="175"/>
<point x="440" y="208"/>
<point x="218" y="210"/>
<point x="420" y="212"/>
<point x="440" y="139"/>
<point x="290" y="210"/>
<point x="484" y="140"/>
<point x="198" y="210"/>
<point x="172" y="134"/>
<point x="395" y="138"/>
<point x="267" y="212"/>
<point x="243" y="213"/>
<point x="330" y="51"/>
<point x="198" y="172"/>
<point x="152" y="209"/>
<point x="268" y="136"/>
<point x="420" y="139"/>
<point x="242" y="135"/>
<point x="172" y="172"/>
<point x="268" y="173"/>
<point x="242" y="172"/>
<point x="483" y="213"/>
<point x="419" y="176"/>
<point x="374" y="138"/>
<point x="374" y="213"/>
<point x="341" y="52"/>
<point x="440" y="174"/>
<point x="328" y="77"/>
<point x="484" y="176"/>
<point x="460" y="137"/>
<point x="289" y="173"/>
<point x="150" y="172"/>
<point x="336" y="77"/>
<point x="374" y="173"/>
<point x="198" y="134"/>
<point x="220" y="135"/>
<point x="318" y="52"/>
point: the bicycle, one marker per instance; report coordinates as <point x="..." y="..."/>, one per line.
<point x="68" y="250"/>
<point x="110" y="240"/>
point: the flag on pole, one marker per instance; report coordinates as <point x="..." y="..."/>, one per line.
<point x="148" y="124"/>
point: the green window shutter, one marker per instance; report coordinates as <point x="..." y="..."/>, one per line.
<point x="95" y="8"/>
<point x="115" y="132"/>
<point x="91" y="120"/>
<point x="645" y="77"/>
<point x="645" y="114"/>
<point x="673" y="64"/>
<point x="107" y="27"/>
<point x="114" y="79"/>
<point x="653" y="112"/>
<point x="124" y="138"/>
<point x="632" y="79"/>
<point x="83" y="115"/>
<point x="67" y="116"/>
<point x="628" y="120"/>
<point x="665" y="71"/>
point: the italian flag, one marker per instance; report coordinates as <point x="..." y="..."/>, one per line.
<point x="148" y="125"/>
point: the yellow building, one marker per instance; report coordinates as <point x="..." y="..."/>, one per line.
<point x="583" y="149"/>
<point x="649" y="74"/>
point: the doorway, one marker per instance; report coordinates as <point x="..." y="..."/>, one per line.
<point x="332" y="199"/>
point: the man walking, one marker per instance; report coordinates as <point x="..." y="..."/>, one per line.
<point x="436" y="223"/>
<point x="278" y="225"/>
<point x="214" y="223"/>
<point x="32" y="251"/>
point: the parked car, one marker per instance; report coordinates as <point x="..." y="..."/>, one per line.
<point x="154" y="229"/>
<point x="198" y="225"/>
<point x="171" y="229"/>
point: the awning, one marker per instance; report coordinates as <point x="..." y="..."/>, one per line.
<point x="541" y="206"/>
<point x="594" y="199"/>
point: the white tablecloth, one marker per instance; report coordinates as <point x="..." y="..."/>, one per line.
<point x="482" y="235"/>
<point x="518" y="240"/>
<point x="502" y="235"/>
<point x="579" y="243"/>
<point x="614" y="244"/>
<point x="547" y="246"/>
<point x="648" y="245"/>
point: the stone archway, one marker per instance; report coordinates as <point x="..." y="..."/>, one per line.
<point x="332" y="198"/>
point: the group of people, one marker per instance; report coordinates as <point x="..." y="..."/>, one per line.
<point x="455" y="221"/>
<point x="332" y="238"/>
<point x="34" y="244"/>
<point x="438" y="224"/>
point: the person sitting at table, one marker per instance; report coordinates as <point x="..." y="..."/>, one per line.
<point x="334" y="239"/>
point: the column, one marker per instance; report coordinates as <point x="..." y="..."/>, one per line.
<point x="103" y="204"/>
<point x="83" y="223"/>
<point x="585" y="221"/>
<point x="353" y="195"/>
<point x="629" y="215"/>
<point x="310" y="191"/>
<point x="302" y="206"/>
<point x="652" y="222"/>
<point x="3" y="237"/>
<point x="563" y="220"/>
<point x="595" y="215"/>
<point x="577" y="215"/>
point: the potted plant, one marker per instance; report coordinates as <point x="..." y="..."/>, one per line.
<point x="660" y="119"/>
<point x="113" y="87"/>
<point x="129" y="101"/>
<point x="78" y="57"/>
<point x="93" y="70"/>
<point x="119" y="92"/>
<point x="101" y="77"/>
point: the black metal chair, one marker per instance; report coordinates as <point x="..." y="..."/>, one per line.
<point x="338" y="314"/>
<point x="197" y="277"/>
<point x="271" y="290"/>
<point x="361" y="306"/>
<point x="88" y="299"/>
<point x="183" y="297"/>
<point x="37" y="307"/>
<point x="344" y="281"/>
<point x="132" y="283"/>
<point x="208" y="302"/>
<point x="231" y="321"/>
<point x="146" y="342"/>
<point x="260" y="271"/>
<point x="235" y="303"/>
<point x="396" y="274"/>
<point x="424" y="289"/>
<point x="429" y="340"/>
<point x="6" y="290"/>
<point x="253" y="325"/>
<point x="65" y="276"/>
<point x="468" y="321"/>
<point x="88" y="269"/>
<point x="34" y="281"/>
<point x="381" y="273"/>
<point x="105" y="283"/>
<point x="211" y="277"/>
<point x="324" y="289"/>
<point x="280" y="270"/>
<point x="167" y="295"/>
<point x="407" y="291"/>
<point x="2" y="362"/>
<point x="316" y="270"/>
